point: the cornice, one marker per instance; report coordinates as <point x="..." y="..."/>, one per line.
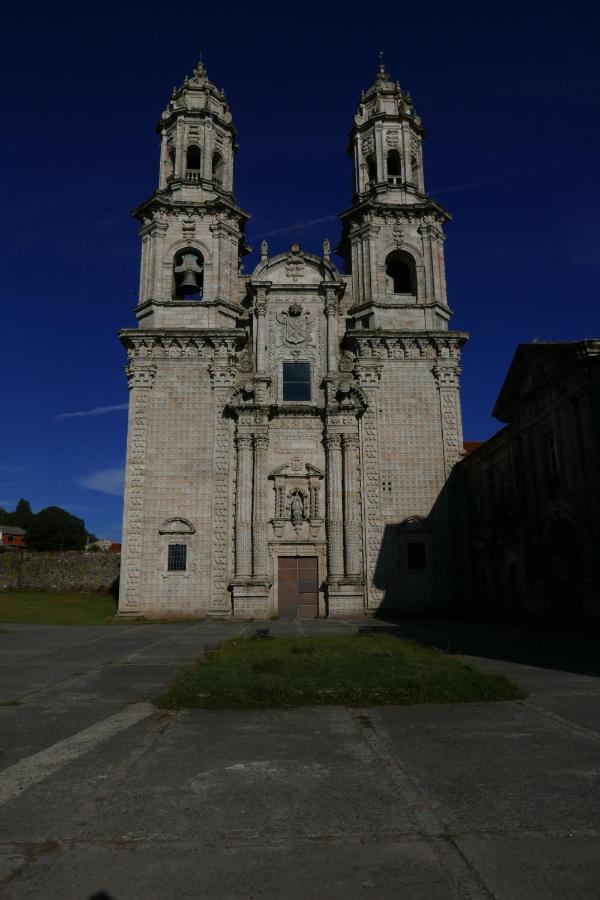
<point x="210" y="343"/>
<point x="405" y="344"/>
<point x="424" y="205"/>
<point x="164" y="201"/>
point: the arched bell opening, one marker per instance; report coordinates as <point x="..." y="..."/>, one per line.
<point x="371" y="169"/>
<point x="401" y="273"/>
<point x="217" y="168"/>
<point x="394" y="170"/>
<point x="188" y="275"/>
<point x="414" y="170"/>
<point x="193" y="161"/>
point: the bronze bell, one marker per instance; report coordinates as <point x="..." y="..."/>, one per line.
<point x="190" y="269"/>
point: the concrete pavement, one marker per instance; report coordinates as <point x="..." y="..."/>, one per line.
<point x="101" y="793"/>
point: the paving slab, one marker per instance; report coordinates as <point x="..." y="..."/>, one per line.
<point x="463" y="800"/>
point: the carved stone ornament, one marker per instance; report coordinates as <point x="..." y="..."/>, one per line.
<point x="296" y="329"/>
<point x="140" y="376"/>
<point x="177" y="525"/>
<point x="221" y="377"/>
<point x="294" y="266"/>
<point x="391" y="138"/>
<point x="447" y="376"/>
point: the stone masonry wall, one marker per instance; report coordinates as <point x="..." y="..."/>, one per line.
<point x="74" y="571"/>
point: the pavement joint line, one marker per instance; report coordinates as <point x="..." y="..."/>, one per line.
<point x="278" y="840"/>
<point x="32" y="769"/>
<point x="123" y="660"/>
<point x="452" y="861"/>
<point x="84" y="643"/>
<point x="581" y="730"/>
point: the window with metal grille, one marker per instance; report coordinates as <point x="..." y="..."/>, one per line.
<point x="177" y="558"/>
<point x="296" y="381"/>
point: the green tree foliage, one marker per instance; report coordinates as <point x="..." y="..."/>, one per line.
<point x="22" y="515"/>
<point x="54" y="528"/>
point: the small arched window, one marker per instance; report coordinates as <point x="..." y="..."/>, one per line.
<point x="401" y="274"/>
<point x="393" y="165"/>
<point x="188" y="275"/>
<point x="217" y="168"/>
<point x="192" y="161"/>
<point x="371" y="169"/>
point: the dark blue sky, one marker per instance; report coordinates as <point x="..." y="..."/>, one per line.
<point x="510" y="97"/>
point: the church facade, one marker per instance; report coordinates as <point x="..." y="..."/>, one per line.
<point x="291" y="431"/>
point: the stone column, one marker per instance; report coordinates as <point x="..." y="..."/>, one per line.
<point x="352" y="531"/>
<point x="141" y="379"/>
<point x="260" y="562"/>
<point x="243" y="505"/>
<point x="335" y="520"/>
<point x="260" y="306"/>
<point x="331" y="315"/>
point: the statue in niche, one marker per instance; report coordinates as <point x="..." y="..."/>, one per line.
<point x="297" y="507"/>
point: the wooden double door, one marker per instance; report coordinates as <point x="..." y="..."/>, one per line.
<point x="298" y="587"/>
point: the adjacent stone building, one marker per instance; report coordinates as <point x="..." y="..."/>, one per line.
<point x="291" y="431"/>
<point x="531" y="493"/>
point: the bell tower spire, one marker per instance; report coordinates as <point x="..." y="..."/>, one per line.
<point x="192" y="230"/>
<point x="392" y="235"/>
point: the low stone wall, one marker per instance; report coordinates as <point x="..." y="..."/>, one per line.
<point x="21" y="570"/>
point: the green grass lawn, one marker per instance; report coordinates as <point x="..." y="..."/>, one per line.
<point x="355" y="670"/>
<point x="42" y="608"/>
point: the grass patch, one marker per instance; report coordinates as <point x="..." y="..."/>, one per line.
<point x="44" y="608"/>
<point x="353" y="670"/>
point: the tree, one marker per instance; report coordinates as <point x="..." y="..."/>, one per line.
<point x="54" y="528"/>
<point x="22" y="515"/>
<point x="5" y="516"/>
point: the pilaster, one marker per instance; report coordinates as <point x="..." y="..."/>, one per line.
<point x="335" y="516"/>
<point x="260" y="560"/>
<point x="243" y="506"/>
<point x="141" y="380"/>
<point x="352" y="529"/>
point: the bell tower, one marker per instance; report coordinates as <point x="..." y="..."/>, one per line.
<point x="392" y="236"/>
<point x="192" y="230"/>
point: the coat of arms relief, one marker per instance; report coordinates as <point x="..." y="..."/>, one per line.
<point x="296" y="324"/>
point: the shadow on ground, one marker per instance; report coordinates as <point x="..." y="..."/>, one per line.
<point x="564" y="648"/>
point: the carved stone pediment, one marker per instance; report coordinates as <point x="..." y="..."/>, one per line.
<point x="298" y="470"/>
<point x="295" y="266"/>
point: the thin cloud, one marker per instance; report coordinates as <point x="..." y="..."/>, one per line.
<point x="293" y="227"/>
<point x="107" y="481"/>
<point x="96" y="411"/>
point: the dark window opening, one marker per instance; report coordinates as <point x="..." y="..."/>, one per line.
<point x="177" y="559"/>
<point x="414" y="167"/>
<point x="217" y="168"/>
<point x="371" y="169"/>
<point x="296" y="381"/>
<point x="188" y="274"/>
<point x="416" y="555"/>
<point x="193" y="157"/>
<point x="393" y="164"/>
<point x="400" y="269"/>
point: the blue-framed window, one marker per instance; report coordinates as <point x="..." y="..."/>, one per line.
<point x="296" y="381"/>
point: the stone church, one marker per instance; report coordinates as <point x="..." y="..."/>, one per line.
<point x="291" y="431"/>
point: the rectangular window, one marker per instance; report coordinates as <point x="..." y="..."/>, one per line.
<point x="416" y="555"/>
<point x="296" y="381"/>
<point x="177" y="559"/>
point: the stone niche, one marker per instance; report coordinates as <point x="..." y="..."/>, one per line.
<point x="298" y="502"/>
